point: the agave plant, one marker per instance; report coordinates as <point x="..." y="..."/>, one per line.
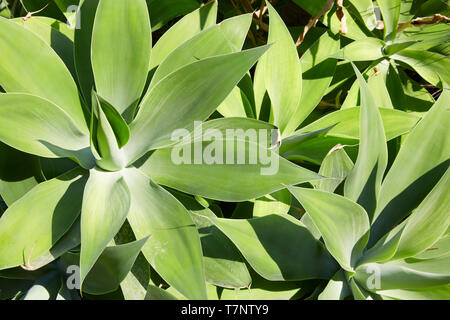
<point x="371" y="248"/>
<point x="117" y="128"/>
<point x="91" y="181"/>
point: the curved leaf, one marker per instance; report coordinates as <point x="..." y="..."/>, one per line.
<point x="282" y="71"/>
<point x="279" y="247"/>
<point x="420" y="163"/>
<point x="364" y="181"/>
<point x="186" y="95"/>
<point x="318" y="70"/>
<point x="121" y="45"/>
<point x="111" y="268"/>
<point x="430" y="220"/>
<point x="228" y="176"/>
<point x="174" y="250"/>
<point x="106" y="202"/>
<point x="430" y="65"/>
<point x="226" y="37"/>
<point x="35" y="222"/>
<point x="25" y="58"/>
<point x="82" y="47"/>
<point x="182" y="31"/>
<point x="46" y="130"/>
<point x="19" y="173"/>
<point x="343" y="224"/>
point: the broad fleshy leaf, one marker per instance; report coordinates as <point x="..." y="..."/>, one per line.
<point x="184" y="96"/>
<point x="343" y="224"/>
<point x="223" y="38"/>
<point x="336" y="166"/>
<point x="430" y="220"/>
<point x="282" y="71"/>
<point x="430" y="65"/>
<point x="111" y="268"/>
<point x="390" y="10"/>
<point x="25" y="58"/>
<point x="19" y="173"/>
<point x="260" y="240"/>
<point x="82" y="47"/>
<point x="106" y="202"/>
<point x="318" y="69"/>
<point x="364" y="181"/>
<point x="121" y="45"/>
<point x="228" y="168"/>
<point x="174" y="250"/>
<point x="420" y="163"/>
<point x="362" y="50"/>
<point x="403" y="275"/>
<point x="182" y="31"/>
<point x="45" y="129"/>
<point x="35" y="222"/>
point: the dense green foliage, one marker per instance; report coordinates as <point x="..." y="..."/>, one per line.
<point x="351" y="103"/>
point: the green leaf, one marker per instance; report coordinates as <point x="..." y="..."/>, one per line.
<point x="60" y="41"/>
<point x="378" y="85"/>
<point x="19" y="173"/>
<point x="345" y="123"/>
<point x="276" y="203"/>
<point x="429" y="65"/>
<point x="186" y="95"/>
<point x="236" y="105"/>
<point x="68" y="241"/>
<point x="295" y="140"/>
<point x="342" y="127"/>
<point x="356" y="29"/>
<point x="282" y="71"/>
<point x="224" y="265"/>
<point x="366" y="11"/>
<point x="109" y="133"/>
<point x="400" y="276"/>
<point x="420" y="163"/>
<point x="121" y="52"/>
<point x="362" y="50"/>
<point x="182" y="31"/>
<point x="313" y="7"/>
<point x="336" y="166"/>
<point x="111" y="268"/>
<point x="106" y="202"/>
<point x="390" y="10"/>
<point x="318" y="70"/>
<point x="35" y="222"/>
<point x="46" y="130"/>
<point x="279" y="247"/>
<point x="263" y="289"/>
<point x="336" y="289"/>
<point x="385" y="248"/>
<point x="364" y="181"/>
<point x="438" y="249"/>
<point x="432" y="293"/>
<point x="25" y="58"/>
<point x="425" y="37"/>
<point x="155" y="293"/>
<point x="174" y="250"/>
<point x="224" y="178"/>
<point x="430" y="220"/>
<point x="343" y="224"/>
<point x="82" y="47"/>
<point x="162" y="12"/>
<point x="226" y="37"/>
<point x="134" y="285"/>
